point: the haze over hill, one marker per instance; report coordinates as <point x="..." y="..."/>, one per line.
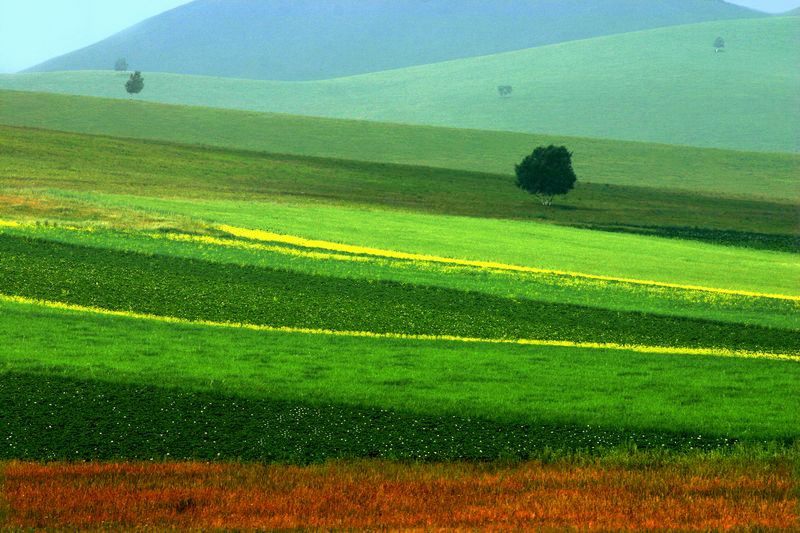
<point x="320" y="39"/>
<point x="664" y="85"/>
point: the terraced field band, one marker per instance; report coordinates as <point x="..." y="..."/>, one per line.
<point x="665" y="350"/>
<point x="265" y="236"/>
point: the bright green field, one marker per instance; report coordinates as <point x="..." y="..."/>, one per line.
<point x="665" y="85"/>
<point x="505" y="241"/>
<point x="205" y="392"/>
<point x="541" y="287"/>
<point x="527" y="384"/>
<point x="128" y="226"/>
<point x="596" y="160"/>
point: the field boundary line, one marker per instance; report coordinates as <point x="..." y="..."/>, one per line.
<point x="666" y="350"/>
<point x="330" y="246"/>
<point x="267" y="236"/>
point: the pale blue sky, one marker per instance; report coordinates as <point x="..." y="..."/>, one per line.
<point x="32" y="31"/>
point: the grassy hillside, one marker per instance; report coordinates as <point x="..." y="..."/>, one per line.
<point x="163" y="303"/>
<point x="665" y="85"/>
<point x="596" y="161"/>
<point x="37" y="160"/>
<point x="313" y="39"/>
<point x="85" y="177"/>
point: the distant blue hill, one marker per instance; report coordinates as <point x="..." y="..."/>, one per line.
<point x="320" y="39"/>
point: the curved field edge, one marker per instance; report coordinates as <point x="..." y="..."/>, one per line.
<point x="197" y="290"/>
<point x="204" y="244"/>
<point x="705" y="493"/>
<point x="606" y="397"/>
<point x="260" y="235"/>
<point x="637" y="348"/>
<point x="521" y="243"/>
<point x="711" y="171"/>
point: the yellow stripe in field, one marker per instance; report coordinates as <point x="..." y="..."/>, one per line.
<point x="9" y="224"/>
<point x="266" y="236"/>
<point x="668" y="350"/>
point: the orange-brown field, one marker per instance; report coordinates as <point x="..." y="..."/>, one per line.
<point x="366" y="494"/>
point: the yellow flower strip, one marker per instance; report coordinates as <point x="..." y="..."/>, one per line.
<point x="667" y="350"/>
<point x="9" y="224"/>
<point x="352" y="249"/>
<point x="244" y="245"/>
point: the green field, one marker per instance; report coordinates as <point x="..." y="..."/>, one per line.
<point x="195" y="392"/>
<point x="123" y="301"/>
<point x="594" y="88"/>
<point x="249" y="304"/>
<point x="208" y="392"/>
<point x="127" y="302"/>
<point x="724" y="172"/>
<point x="66" y="164"/>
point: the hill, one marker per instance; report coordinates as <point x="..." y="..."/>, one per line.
<point x="279" y="40"/>
<point x="665" y="85"/>
<point x="42" y="160"/>
<point x="721" y="172"/>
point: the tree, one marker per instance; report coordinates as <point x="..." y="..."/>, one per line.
<point x="135" y="84"/>
<point x="719" y="44"/>
<point x="546" y="173"/>
<point x="504" y="90"/>
<point x="121" y="64"/>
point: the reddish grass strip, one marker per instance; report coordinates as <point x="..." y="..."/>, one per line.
<point x="367" y="494"/>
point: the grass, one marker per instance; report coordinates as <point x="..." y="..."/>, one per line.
<point x="82" y="163"/>
<point x="195" y="391"/>
<point x="693" y="170"/>
<point x="692" y="96"/>
<point x="505" y="241"/>
<point x="200" y="290"/>
<point x="549" y="288"/>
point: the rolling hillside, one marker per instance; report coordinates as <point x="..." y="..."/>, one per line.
<point x="636" y="86"/>
<point x="692" y="170"/>
<point x="319" y="39"/>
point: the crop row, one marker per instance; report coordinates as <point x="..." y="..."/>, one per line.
<point x="198" y="290"/>
<point x="48" y="417"/>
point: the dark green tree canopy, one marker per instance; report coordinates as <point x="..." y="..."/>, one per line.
<point x="719" y="44"/>
<point x="135" y="84"/>
<point x="547" y="172"/>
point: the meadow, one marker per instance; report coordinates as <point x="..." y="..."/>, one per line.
<point x="205" y="334"/>
<point x="692" y="95"/>
<point x="723" y="172"/>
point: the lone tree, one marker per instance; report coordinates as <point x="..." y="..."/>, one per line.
<point x="135" y="84"/>
<point x="719" y="44"/>
<point x="505" y="90"/>
<point x="121" y="64"/>
<point x="546" y="173"/>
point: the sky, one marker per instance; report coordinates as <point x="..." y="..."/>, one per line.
<point x="32" y="31"/>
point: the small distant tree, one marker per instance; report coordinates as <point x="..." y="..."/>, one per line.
<point x="547" y="172"/>
<point x="719" y="44"/>
<point x="504" y="90"/>
<point x="121" y="65"/>
<point x="135" y="84"/>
